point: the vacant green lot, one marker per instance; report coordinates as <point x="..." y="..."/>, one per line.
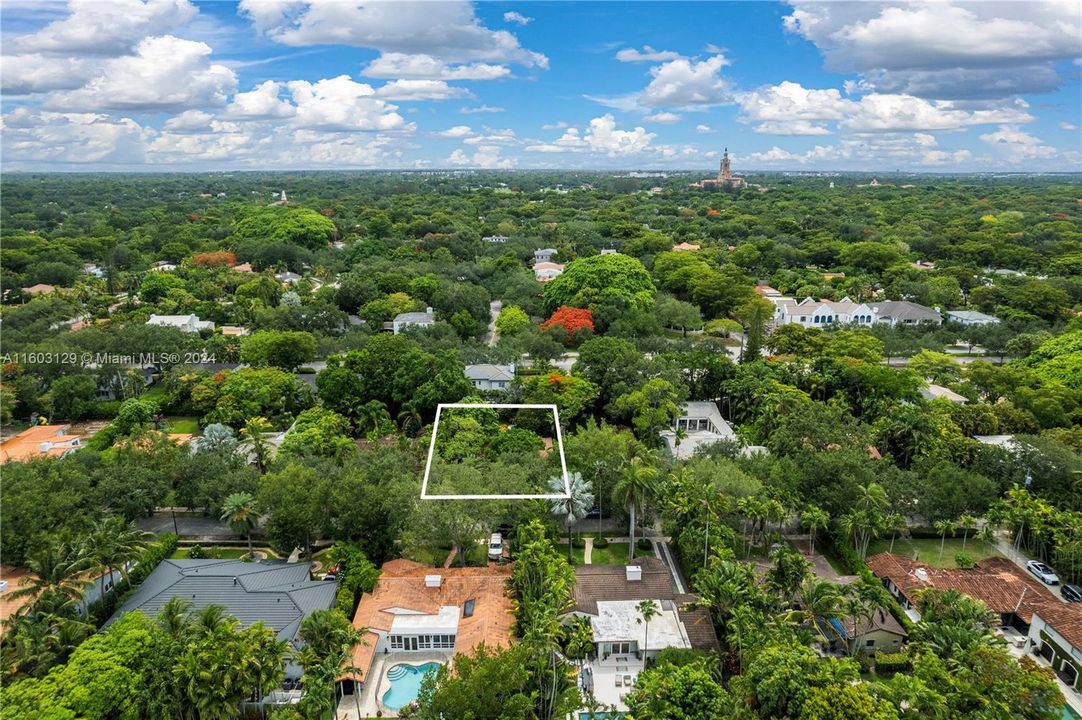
<point x="927" y="549"/>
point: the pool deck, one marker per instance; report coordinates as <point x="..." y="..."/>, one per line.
<point x="372" y="692"/>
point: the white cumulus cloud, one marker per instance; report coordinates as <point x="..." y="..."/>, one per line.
<point x="426" y="67"/>
<point x="647" y="54"/>
<point x="517" y="18"/>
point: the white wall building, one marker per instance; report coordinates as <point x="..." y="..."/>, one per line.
<point x="413" y="319"/>
<point x="490" y="377"/>
<point x="820" y="313"/>
<point x="186" y="323"/>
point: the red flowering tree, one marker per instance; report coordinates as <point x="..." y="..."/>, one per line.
<point x="572" y="320"/>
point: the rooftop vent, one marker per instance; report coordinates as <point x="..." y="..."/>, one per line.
<point x="433" y="581"/>
<point x="467" y="609"/>
<point x="921" y="574"/>
<point x="634" y="573"/>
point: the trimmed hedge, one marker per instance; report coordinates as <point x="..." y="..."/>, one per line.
<point x="601" y="542"/>
<point x="890" y="663"/>
<point x="102" y="609"/>
<point x="643" y="544"/>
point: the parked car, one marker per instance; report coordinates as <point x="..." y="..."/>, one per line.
<point x="1043" y="572"/>
<point x="1071" y="593"/>
<point x="495" y="547"/>
<point x="593" y="513"/>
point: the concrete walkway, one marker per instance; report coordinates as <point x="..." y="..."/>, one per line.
<point x="661" y="549"/>
<point x="588" y="552"/>
<point x="491" y="336"/>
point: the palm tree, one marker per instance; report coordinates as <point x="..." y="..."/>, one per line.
<point x="575" y="506"/>
<point x="637" y="483"/>
<point x="174" y="617"/>
<point x="56" y="579"/>
<point x="819" y="599"/>
<point x="895" y="522"/>
<point x="112" y="544"/>
<point x="253" y="430"/>
<point x="679" y="436"/>
<point x="240" y="511"/>
<point x="966" y="521"/>
<point x="648" y="610"/>
<point x="814" y="519"/>
<point x="943" y="527"/>
<point x="410" y="420"/>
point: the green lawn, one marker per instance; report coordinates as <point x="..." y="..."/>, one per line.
<point x="614" y="554"/>
<point x="182" y="424"/>
<point x="927" y="549"/>
<point x="218" y="552"/>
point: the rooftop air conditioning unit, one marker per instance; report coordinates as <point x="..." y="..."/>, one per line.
<point x="433" y="581"/>
<point x="634" y="573"/>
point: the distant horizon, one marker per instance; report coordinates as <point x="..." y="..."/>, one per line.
<point x="798" y="85"/>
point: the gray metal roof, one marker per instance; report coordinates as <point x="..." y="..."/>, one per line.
<point x="486" y="371"/>
<point x="415" y="318"/>
<point x="279" y="594"/>
<point x="905" y="310"/>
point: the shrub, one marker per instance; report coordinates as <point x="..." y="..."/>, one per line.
<point x="964" y="560"/>
<point x="643" y="544"/>
<point x="601" y="542"/>
<point x="890" y="663"/>
<point x="345" y="601"/>
<point x="196" y="552"/>
<point x="104" y="410"/>
<point x="578" y="543"/>
<point x="864" y="661"/>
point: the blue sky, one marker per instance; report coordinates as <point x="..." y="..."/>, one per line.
<point x="182" y="85"/>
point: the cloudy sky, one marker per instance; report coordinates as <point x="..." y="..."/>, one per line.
<point x="185" y="85"/>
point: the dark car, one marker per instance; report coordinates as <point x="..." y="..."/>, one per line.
<point x="1071" y="593"/>
<point x="593" y="513"/>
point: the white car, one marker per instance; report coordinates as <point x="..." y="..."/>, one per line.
<point x="1043" y="572"/>
<point x="495" y="547"/>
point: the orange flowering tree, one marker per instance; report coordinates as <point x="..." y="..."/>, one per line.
<point x="572" y="319"/>
<point x="218" y="257"/>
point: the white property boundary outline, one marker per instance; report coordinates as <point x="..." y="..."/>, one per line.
<point x="513" y="406"/>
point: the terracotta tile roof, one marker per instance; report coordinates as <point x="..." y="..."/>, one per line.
<point x="402" y="585"/>
<point x="609" y="582"/>
<point x="997" y="582"/>
<point x="1065" y="618"/>
<point x="15" y="578"/>
<point x="28" y="444"/>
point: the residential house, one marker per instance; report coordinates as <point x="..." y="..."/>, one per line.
<point x="185" y="323"/>
<point x="685" y="247"/>
<point x="971" y="317"/>
<point x="163" y="266"/>
<point x="234" y="331"/>
<point x="544" y="255"/>
<point x="93" y="270"/>
<point x="608" y="597"/>
<point x="701" y="424"/>
<point x="934" y="392"/>
<point x="490" y="377"/>
<point x="243" y="268"/>
<point x="495" y="239"/>
<point x="39" y="289"/>
<point x="39" y="441"/>
<point x="417" y="613"/>
<point x="1055" y="634"/>
<point x="547" y="271"/>
<point x="608" y="251"/>
<point x="1007" y="590"/>
<point x="281" y="595"/>
<point x="413" y="319"/>
<point x="767" y="291"/>
<point x="288" y="278"/>
<point x="820" y="313"/>
<point x="903" y="312"/>
<point x="880" y="631"/>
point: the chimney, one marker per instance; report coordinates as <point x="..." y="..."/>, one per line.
<point x="433" y="581"/>
<point x="633" y="573"/>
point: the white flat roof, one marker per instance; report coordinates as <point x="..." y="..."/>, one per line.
<point x="445" y="623"/>
<point x="619" y="620"/>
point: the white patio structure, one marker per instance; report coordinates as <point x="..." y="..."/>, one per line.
<point x="704" y="425"/>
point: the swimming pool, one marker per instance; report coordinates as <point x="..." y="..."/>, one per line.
<point x="1069" y="714"/>
<point x="405" y="683"/>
